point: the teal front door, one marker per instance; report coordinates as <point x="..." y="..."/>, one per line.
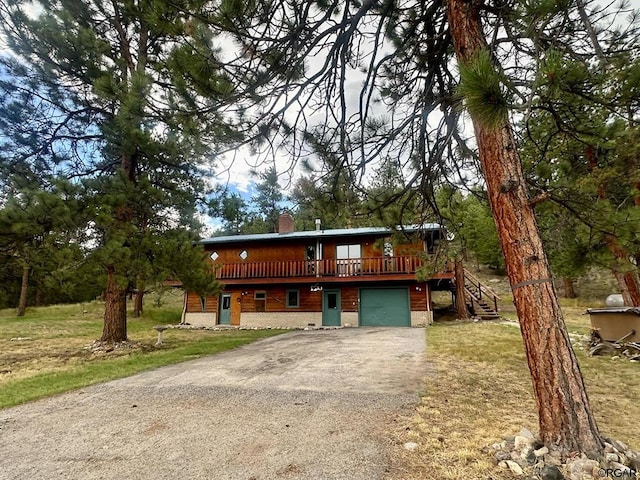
<point x="331" y="308"/>
<point x="225" y="309"/>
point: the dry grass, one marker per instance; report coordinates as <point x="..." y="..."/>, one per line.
<point x="55" y="338"/>
<point x="479" y="392"/>
<point x="47" y="351"/>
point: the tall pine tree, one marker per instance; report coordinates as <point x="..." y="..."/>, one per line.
<point x="128" y="97"/>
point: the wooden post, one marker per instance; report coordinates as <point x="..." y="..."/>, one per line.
<point x="462" y="312"/>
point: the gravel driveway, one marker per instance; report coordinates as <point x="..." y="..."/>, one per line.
<point x="304" y="405"/>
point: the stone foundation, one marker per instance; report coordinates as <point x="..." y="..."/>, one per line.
<point x="281" y="319"/>
<point x="349" y="319"/>
<point x="292" y="319"/>
<point x="421" y="319"/>
<point x="200" y="319"/>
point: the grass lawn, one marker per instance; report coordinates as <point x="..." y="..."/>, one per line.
<point x="479" y="392"/>
<point x="45" y="352"/>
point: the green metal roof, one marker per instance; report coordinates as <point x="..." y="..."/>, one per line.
<point x="319" y="234"/>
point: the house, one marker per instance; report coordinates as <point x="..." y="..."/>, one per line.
<point x="339" y="277"/>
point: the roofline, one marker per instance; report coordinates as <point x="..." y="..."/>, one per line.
<point x="317" y="234"/>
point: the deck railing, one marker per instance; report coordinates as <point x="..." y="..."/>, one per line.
<point x="353" y="267"/>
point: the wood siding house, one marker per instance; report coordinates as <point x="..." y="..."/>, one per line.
<point x="341" y="277"/>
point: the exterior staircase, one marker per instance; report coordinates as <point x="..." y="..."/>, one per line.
<point x="481" y="300"/>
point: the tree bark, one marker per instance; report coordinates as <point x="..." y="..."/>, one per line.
<point x="24" y="290"/>
<point x="569" y="287"/>
<point x="115" y="310"/>
<point x="115" y="307"/>
<point x="628" y="280"/>
<point x="138" y="304"/>
<point x="632" y="282"/>
<point x="462" y="311"/>
<point x="564" y="412"/>
<point x="629" y="288"/>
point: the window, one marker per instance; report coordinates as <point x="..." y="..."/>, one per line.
<point x="311" y="259"/>
<point x="348" y="251"/>
<point x="203" y="304"/>
<point x="260" y="301"/>
<point x="214" y="256"/>
<point x="293" y="299"/>
<point x="389" y="261"/>
<point x="226" y="302"/>
<point x="311" y="252"/>
<point x="243" y="254"/>
<point x="332" y="300"/>
<point x="348" y="259"/>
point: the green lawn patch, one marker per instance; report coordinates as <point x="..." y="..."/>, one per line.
<point x="47" y="351"/>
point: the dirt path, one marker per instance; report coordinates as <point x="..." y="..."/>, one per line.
<point x="305" y="405"/>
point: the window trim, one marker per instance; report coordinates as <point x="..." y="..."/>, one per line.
<point x="287" y="304"/>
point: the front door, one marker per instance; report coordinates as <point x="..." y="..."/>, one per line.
<point x="331" y="308"/>
<point x="225" y="309"/>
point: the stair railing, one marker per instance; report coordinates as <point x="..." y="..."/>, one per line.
<point x="471" y="281"/>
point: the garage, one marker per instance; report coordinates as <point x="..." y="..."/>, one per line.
<point x="384" y="307"/>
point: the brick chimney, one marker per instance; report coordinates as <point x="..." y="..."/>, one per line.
<point x="285" y="223"/>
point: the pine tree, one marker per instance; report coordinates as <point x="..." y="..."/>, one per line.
<point x="268" y="199"/>
<point x="36" y="229"/>
<point x="126" y="96"/>
<point x="582" y="157"/>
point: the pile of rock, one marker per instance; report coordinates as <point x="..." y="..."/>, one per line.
<point x="527" y="457"/>
<point x="108" y="347"/>
<point x="216" y="328"/>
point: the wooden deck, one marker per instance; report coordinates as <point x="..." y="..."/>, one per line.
<point x="328" y="270"/>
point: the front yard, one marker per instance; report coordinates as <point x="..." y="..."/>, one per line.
<point x="47" y="351"/>
<point x="479" y="392"/>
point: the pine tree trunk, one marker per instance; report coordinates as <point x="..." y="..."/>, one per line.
<point x="629" y="287"/>
<point x="564" y="412"/>
<point x="138" y="304"/>
<point x="115" y="296"/>
<point x="115" y="310"/>
<point x="632" y="282"/>
<point x="24" y="290"/>
<point x="461" y="305"/>
<point x="628" y="280"/>
<point x="569" y="287"/>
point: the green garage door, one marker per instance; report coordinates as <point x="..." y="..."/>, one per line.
<point x="384" y="307"/>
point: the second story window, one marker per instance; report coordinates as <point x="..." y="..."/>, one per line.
<point x="348" y="259"/>
<point x="243" y="254"/>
